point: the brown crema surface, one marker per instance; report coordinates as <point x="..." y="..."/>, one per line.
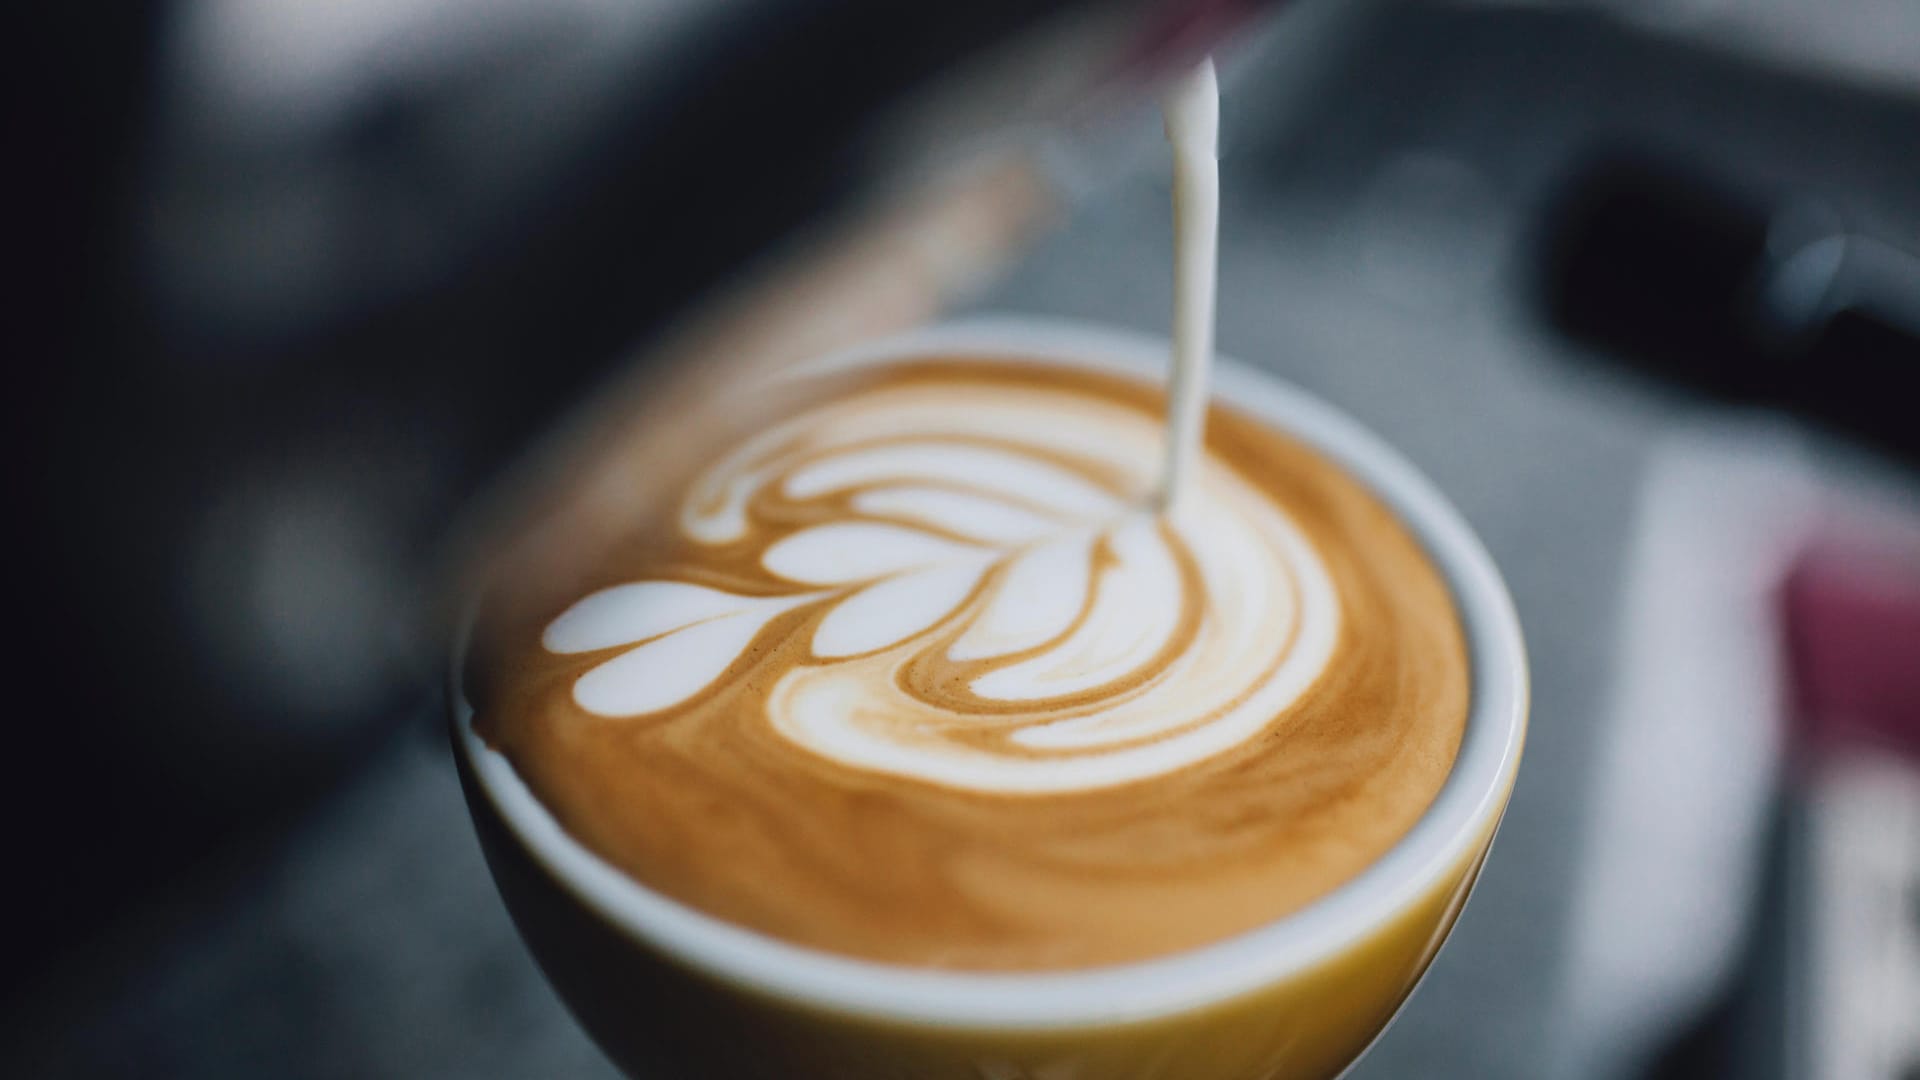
<point x="708" y="803"/>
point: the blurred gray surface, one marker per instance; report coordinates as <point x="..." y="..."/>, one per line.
<point x="1372" y="229"/>
<point x="368" y="942"/>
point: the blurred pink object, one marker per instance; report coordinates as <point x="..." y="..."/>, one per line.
<point x="1851" y="605"/>
<point x="1852" y="614"/>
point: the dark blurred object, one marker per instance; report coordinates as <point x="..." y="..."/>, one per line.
<point x="1853" y="42"/>
<point x="1705" y="283"/>
<point x="244" y="437"/>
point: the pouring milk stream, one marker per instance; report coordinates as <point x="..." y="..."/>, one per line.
<point x="1192" y="109"/>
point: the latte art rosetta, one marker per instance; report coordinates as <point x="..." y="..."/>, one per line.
<point x="895" y="662"/>
<point x="957" y="586"/>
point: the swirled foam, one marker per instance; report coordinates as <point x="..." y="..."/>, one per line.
<point x="989" y="606"/>
<point x="911" y="671"/>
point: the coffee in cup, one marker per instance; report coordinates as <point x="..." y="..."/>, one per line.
<point x="913" y="673"/>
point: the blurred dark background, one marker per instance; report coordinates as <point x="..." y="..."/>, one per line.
<point x="1633" y="281"/>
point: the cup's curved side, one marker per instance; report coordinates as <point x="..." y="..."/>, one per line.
<point x="655" y="1017"/>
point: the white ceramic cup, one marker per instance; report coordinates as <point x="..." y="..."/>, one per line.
<point x="668" y="991"/>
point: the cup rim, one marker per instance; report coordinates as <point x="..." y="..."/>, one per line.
<point x="1467" y="806"/>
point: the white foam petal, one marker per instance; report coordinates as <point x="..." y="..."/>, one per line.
<point x="1036" y="601"/>
<point x="636" y="612"/>
<point x="857" y="551"/>
<point x="669" y="670"/>
<point x="1005" y="472"/>
<point x="896" y="609"/>
<point x="976" y="517"/>
<point x="1136" y="605"/>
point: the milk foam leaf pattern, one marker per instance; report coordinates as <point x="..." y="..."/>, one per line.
<point x="978" y="597"/>
<point x="672" y="668"/>
<point x="1038" y="600"/>
<point x="625" y="614"/>
<point x="840" y="554"/>
<point x="895" y="609"/>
